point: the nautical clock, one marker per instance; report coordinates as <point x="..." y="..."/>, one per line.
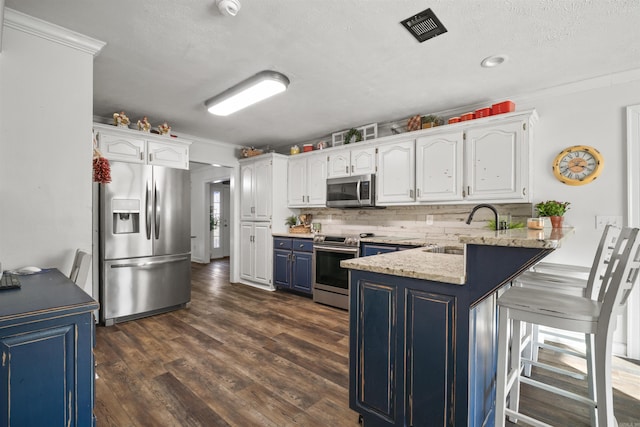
<point x="578" y="165"/>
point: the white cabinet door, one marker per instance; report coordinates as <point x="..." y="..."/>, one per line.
<point x="339" y="164"/>
<point x="247" y="179"/>
<point x="262" y="253"/>
<point x="168" y="154"/>
<point x="262" y="190"/>
<point x="115" y="147"/>
<point x="439" y="167"/>
<point x="297" y="182"/>
<point x="396" y="173"/>
<point x="317" y="180"/>
<point x="494" y="156"/>
<point x="246" y="251"/>
<point x="363" y="161"/>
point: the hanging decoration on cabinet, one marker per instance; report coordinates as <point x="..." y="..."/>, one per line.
<point x="101" y="166"/>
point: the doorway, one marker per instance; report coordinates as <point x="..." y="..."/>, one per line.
<point x="219" y="217"/>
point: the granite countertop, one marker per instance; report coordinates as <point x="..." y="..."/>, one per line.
<point x="450" y="268"/>
<point x="295" y="235"/>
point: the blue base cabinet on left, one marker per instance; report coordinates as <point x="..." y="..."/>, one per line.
<point x="292" y="264"/>
<point x="47" y="371"/>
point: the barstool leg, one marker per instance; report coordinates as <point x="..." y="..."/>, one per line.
<point x="604" y="391"/>
<point x="515" y="366"/>
<point x="502" y="368"/>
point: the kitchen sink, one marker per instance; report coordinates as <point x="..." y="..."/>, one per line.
<point x="450" y="250"/>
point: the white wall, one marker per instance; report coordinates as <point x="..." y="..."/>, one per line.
<point x="46" y="102"/>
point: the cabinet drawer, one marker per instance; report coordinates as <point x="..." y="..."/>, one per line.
<point x="304" y="245"/>
<point x="281" y="243"/>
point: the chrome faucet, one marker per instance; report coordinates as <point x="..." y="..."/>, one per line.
<point x="499" y="225"/>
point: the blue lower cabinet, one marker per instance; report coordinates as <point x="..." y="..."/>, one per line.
<point x="292" y="264"/>
<point x="368" y="249"/>
<point x="47" y="335"/>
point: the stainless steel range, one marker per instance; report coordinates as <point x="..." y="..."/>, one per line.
<point x="330" y="281"/>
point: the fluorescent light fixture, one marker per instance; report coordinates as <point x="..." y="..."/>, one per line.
<point x="250" y="91"/>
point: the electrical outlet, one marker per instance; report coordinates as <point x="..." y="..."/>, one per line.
<point x="429" y="219"/>
<point x="603" y="220"/>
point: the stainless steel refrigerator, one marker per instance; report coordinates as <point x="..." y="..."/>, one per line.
<point x="145" y="260"/>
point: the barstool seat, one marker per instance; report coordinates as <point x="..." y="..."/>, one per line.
<point x="593" y="315"/>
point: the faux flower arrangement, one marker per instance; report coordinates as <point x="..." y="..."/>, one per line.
<point x="552" y="208"/>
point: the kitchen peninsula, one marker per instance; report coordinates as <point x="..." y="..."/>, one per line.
<point x="423" y="327"/>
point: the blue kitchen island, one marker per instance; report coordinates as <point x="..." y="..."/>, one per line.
<point x="423" y="328"/>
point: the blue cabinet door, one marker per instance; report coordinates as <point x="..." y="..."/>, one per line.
<point x="430" y="358"/>
<point x="301" y="271"/>
<point x="282" y="268"/>
<point x="369" y="249"/>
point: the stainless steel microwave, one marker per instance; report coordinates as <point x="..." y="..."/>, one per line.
<point x="351" y="191"/>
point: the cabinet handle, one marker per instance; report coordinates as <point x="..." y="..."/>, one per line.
<point x="524" y="191"/>
<point x="411" y="194"/>
<point x="293" y="258"/>
<point x="418" y="192"/>
<point x="281" y="243"/>
<point x="346" y="169"/>
<point x="352" y="168"/>
<point x="302" y="246"/>
<point x="468" y="190"/>
<point x="142" y="155"/>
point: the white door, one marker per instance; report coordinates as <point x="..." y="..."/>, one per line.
<point x="296" y="182"/>
<point x="439" y="164"/>
<point x="247" y="191"/>
<point x="493" y="162"/>
<point x="219" y="213"/>
<point x="317" y="180"/>
<point x="339" y="164"/>
<point x="396" y="173"/>
<point x="262" y="190"/>
<point x="263" y="252"/>
<point x="246" y="250"/>
<point x="363" y="161"/>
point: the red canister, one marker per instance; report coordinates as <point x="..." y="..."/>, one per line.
<point x="307" y="147"/>
<point x="483" y="112"/>
<point x="467" y="116"/>
<point x="503" y="107"/>
<point x="454" y="120"/>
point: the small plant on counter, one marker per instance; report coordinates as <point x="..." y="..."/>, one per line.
<point x="552" y="208"/>
<point x="291" y="221"/>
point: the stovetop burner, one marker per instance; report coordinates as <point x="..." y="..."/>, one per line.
<point x="351" y="240"/>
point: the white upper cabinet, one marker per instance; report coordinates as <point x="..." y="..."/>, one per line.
<point x="307" y="183"/>
<point x="255" y="194"/>
<point x="137" y="147"/>
<point x="395" y="182"/>
<point x="354" y="161"/>
<point x="497" y="161"/>
<point x="439" y="167"/>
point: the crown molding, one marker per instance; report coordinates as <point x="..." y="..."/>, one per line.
<point x="43" y="29"/>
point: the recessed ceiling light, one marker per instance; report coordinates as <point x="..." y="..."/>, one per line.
<point x="494" y="61"/>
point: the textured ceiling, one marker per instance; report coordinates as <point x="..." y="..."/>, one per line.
<point x="350" y="62"/>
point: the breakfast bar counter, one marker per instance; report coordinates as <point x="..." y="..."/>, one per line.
<point x="423" y="327"/>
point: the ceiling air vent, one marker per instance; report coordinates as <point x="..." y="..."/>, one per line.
<point x="424" y="26"/>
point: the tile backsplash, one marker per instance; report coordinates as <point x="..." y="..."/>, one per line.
<point x="412" y="220"/>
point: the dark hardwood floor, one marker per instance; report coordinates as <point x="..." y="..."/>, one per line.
<point x="241" y="356"/>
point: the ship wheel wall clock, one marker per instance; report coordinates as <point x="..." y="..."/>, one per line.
<point x="578" y="165"/>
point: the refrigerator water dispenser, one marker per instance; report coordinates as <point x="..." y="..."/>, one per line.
<point x="126" y="216"/>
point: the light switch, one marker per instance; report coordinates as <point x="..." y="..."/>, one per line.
<point x="603" y="220"/>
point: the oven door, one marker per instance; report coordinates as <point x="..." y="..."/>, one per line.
<point x="327" y="273"/>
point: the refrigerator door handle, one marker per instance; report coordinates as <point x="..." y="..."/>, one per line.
<point x="147" y="208"/>
<point x="156" y="219"/>
<point x="147" y="264"/>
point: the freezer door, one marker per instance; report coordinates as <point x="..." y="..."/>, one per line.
<point x="125" y="212"/>
<point x="171" y="211"/>
<point x="135" y="287"/>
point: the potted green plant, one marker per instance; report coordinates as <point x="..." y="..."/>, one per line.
<point x="430" y="121"/>
<point x="554" y="210"/>
<point x="291" y="221"/>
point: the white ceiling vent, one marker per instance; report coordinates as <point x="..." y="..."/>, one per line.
<point x="424" y="26"/>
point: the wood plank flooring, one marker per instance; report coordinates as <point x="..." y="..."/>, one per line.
<point x="240" y="356"/>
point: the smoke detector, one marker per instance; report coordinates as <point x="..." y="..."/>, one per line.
<point x="228" y="7"/>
